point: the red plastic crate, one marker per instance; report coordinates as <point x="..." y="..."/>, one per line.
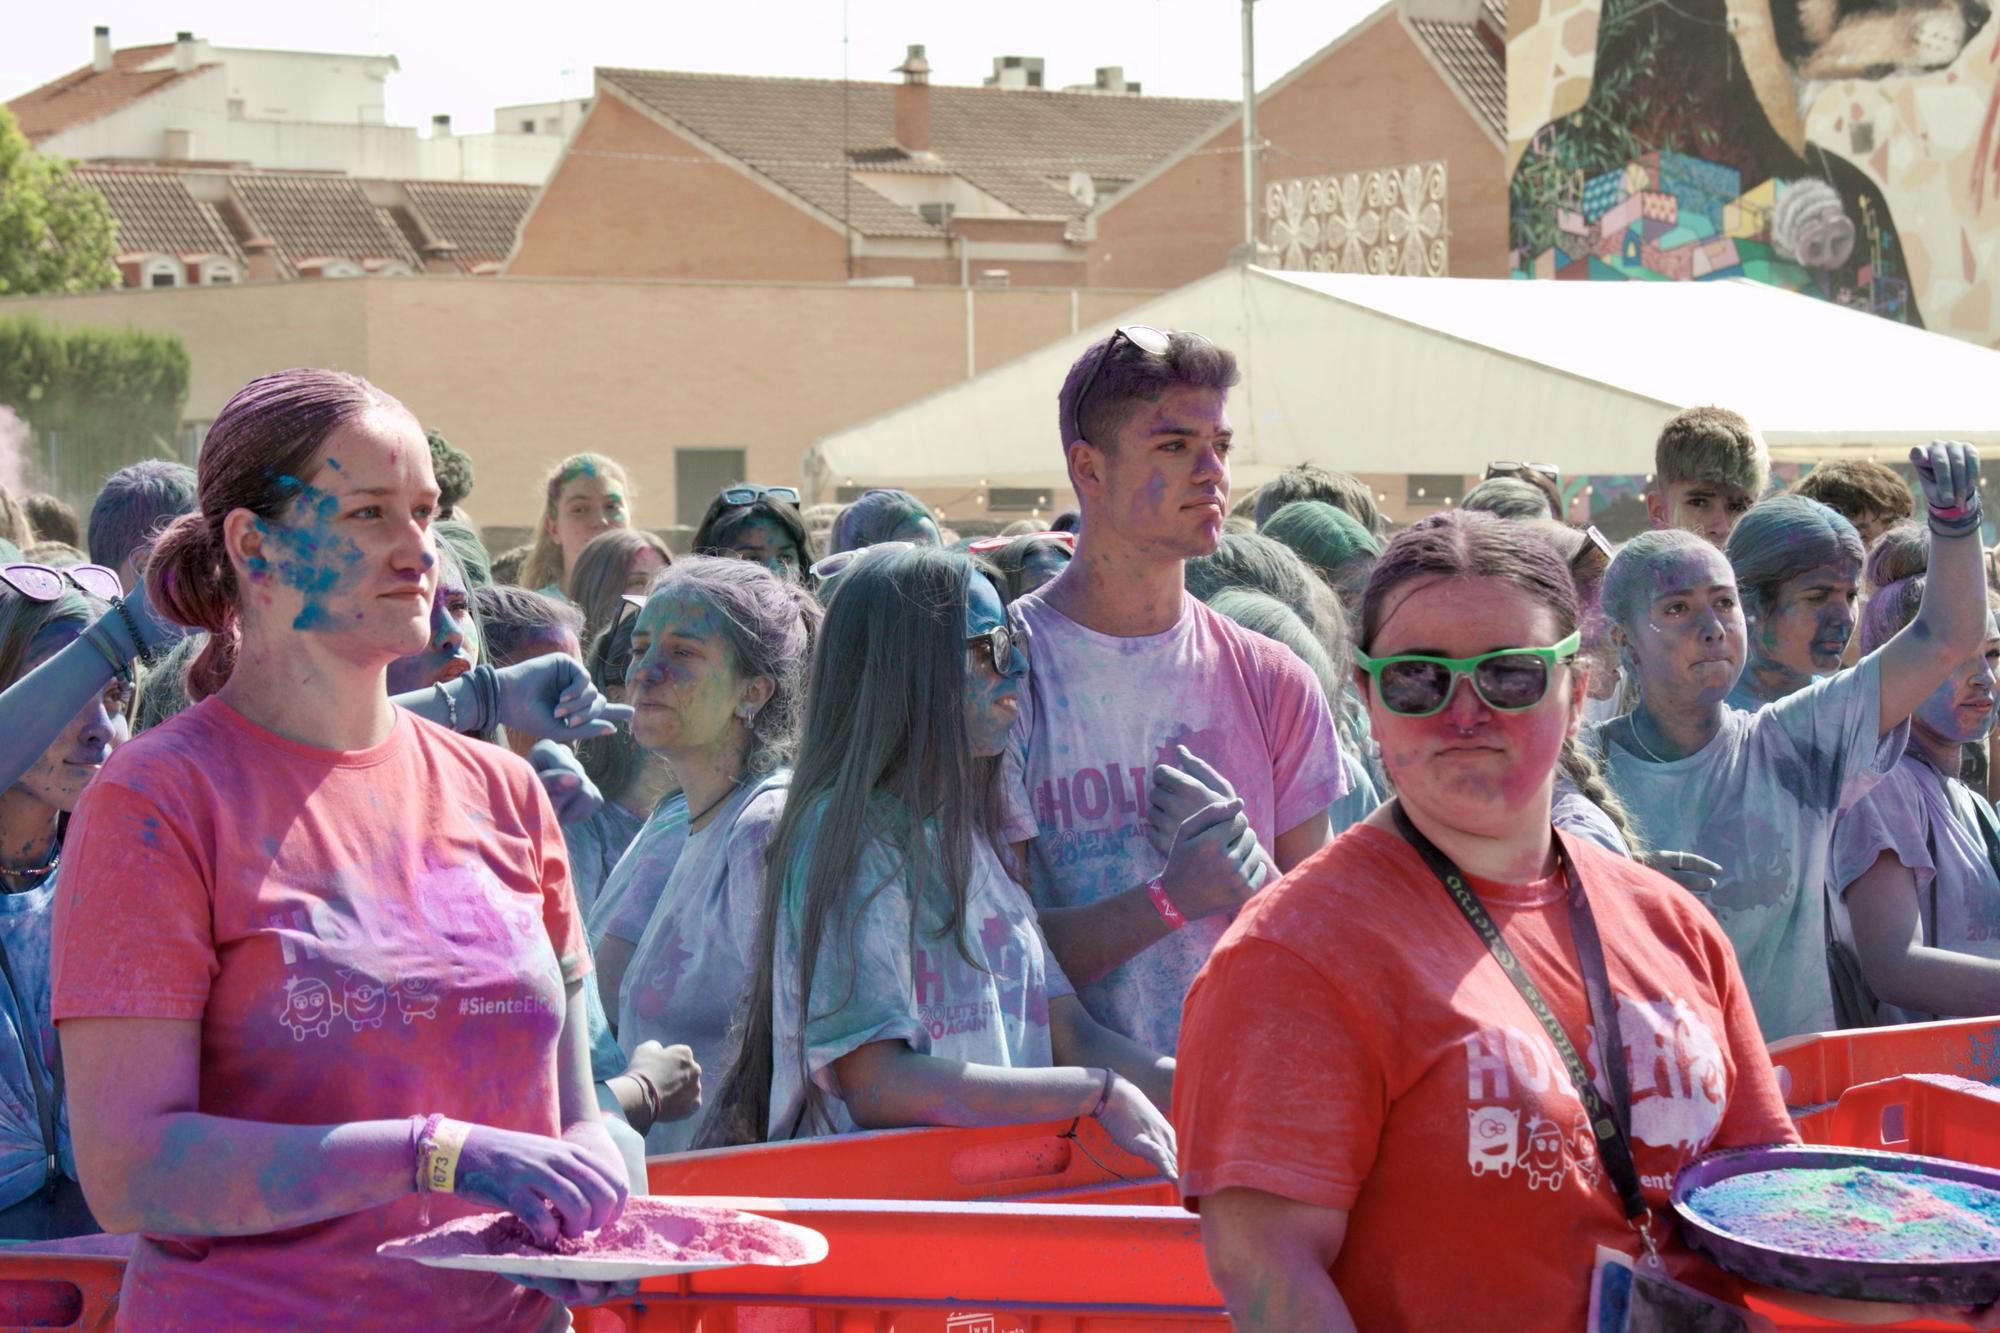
<point x="67" y="1285"/>
<point x="1822" y="1065"/>
<point x="903" y="1266"/>
<point x="1934" y="1115"/>
<point x="1034" y="1161"/>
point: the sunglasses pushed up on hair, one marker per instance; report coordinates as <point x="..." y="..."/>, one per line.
<point x="1507" y="680"/>
<point x="988" y="545"/>
<point x="45" y="583"/>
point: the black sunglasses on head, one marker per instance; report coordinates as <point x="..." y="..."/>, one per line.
<point x="1142" y="336"/>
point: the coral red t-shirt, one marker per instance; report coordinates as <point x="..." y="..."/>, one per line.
<point x="362" y="936"/>
<point x="1351" y="1044"/>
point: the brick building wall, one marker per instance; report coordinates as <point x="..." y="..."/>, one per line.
<point x="632" y="199"/>
<point x="522" y="372"/>
<point x="1374" y="101"/>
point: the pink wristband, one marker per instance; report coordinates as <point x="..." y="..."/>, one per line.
<point x="1164" y="905"/>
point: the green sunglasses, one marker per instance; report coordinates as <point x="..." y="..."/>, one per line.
<point x="1509" y="680"/>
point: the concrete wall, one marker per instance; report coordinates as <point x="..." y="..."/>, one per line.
<point x="522" y="372"/>
<point x="1375" y="101"/>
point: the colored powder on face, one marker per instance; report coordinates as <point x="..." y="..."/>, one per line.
<point x="648" y="1231"/>
<point x="1857" y="1213"/>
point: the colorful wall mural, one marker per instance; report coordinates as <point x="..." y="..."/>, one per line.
<point x="1844" y="148"/>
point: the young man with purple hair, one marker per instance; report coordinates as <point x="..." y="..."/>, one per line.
<point x="1167" y="758"/>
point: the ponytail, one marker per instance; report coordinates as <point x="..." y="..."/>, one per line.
<point x="190" y="583"/>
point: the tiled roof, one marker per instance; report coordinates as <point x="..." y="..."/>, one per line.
<point x="1474" y="57"/>
<point x="84" y="94"/>
<point x="1019" y="145"/>
<point x="157" y="215"/>
<point x="321" y="217"/>
<point x="479" y="219"/>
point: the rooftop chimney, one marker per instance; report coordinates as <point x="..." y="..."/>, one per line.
<point x="441" y="127"/>
<point x="184" y="51"/>
<point x="913" y="102"/>
<point x="100" y="49"/>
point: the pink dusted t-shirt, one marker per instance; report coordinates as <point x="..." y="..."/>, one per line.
<point x="1097" y="714"/>
<point x="362" y="936"/>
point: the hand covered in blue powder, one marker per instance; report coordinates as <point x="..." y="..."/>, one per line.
<point x="1691" y="872"/>
<point x="1179" y="792"/>
<point x="552" y="698"/>
<point x="1195" y="819"/>
<point x="1948" y="471"/>
<point x="557" y="1188"/>
<point x="570" y="789"/>
<point x="1137" y="1126"/>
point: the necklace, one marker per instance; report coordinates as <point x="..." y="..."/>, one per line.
<point x="32" y="872"/>
<point x="1645" y="749"/>
<point x="708" y="809"/>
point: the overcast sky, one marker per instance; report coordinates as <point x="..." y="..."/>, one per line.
<point x="466" y="59"/>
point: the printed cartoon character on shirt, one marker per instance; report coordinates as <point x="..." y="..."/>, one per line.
<point x="363" y="999"/>
<point x="1545" y="1161"/>
<point x="416" y="997"/>
<point x="309" y="1007"/>
<point x="1496" y="1140"/>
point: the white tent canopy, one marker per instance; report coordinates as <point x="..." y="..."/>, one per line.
<point x="1438" y="375"/>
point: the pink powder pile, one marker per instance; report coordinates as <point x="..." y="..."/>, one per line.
<point x="648" y="1231"/>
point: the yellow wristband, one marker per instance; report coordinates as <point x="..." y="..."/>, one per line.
<point x="441" y="1162"/>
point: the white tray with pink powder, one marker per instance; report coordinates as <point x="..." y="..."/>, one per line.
<point x="651" y="1238"/>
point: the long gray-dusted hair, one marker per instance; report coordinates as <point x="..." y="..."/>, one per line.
<point x="886" y="760"/>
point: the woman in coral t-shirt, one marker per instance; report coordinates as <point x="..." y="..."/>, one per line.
<point x="310" y="948"/>
<point x="1376" y="1128"/>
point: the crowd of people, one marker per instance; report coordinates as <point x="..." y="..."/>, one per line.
<point x="1392" y="891"/>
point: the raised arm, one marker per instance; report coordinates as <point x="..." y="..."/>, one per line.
<point x="1950" y="623"/>
<point x="35" y="709"/>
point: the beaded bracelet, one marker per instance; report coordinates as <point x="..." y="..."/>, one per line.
<point x="450" y="705"/>
<point x="147" y="656"/>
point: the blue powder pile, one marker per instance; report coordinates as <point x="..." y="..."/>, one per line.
<point x="1857" y="1213"/>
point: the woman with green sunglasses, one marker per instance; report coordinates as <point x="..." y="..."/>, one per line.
<point x="1368" y="1091"/>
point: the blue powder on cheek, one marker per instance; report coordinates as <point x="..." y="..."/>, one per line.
<point x="310" y="557"/>
<point x="1857" y="1213"/>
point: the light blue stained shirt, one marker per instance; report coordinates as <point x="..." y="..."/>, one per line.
<point x="1931" y="825"/>
<point x="1760" y="800"/>
<point x="888" y="971"/>
<point x="632" y="890"/>
<point x="24" y="933"/>
<point x="595" y="845"/>
<point x="689" y="979"/>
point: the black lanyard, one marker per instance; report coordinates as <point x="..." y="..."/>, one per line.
<point x="1610" y="1123"/>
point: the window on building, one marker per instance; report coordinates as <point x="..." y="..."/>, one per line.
<point x="217" y="272"/>
<point x="698" y="474"/>
<point x="160" y="271"/>
<point x="528" y="126"/>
